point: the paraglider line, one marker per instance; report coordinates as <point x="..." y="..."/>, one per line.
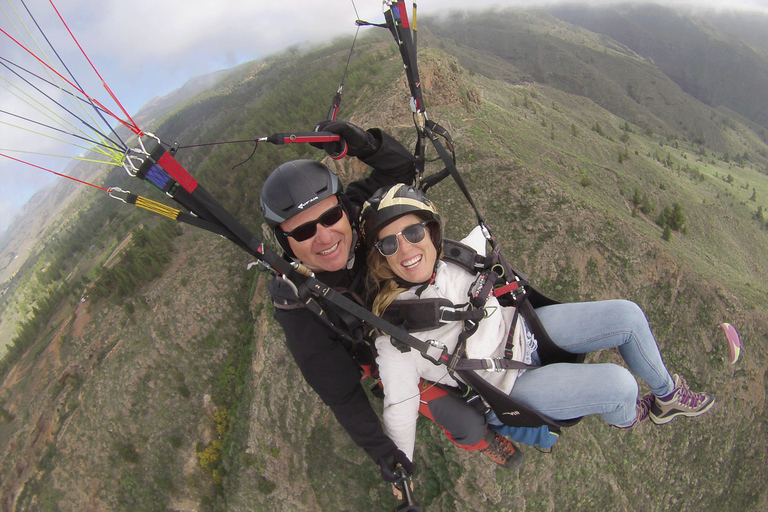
<point x="96" y="130"/>
<point x="135" y="128"/>
<point x="91" y="103"/>
<point x="86" y="139"/>
<point x="54" y="172"/>
<point x="132" y="127"/>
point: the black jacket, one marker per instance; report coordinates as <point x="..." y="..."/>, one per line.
<point x="324" y="355"/>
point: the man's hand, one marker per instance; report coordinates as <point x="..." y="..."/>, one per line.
<point x="360" y="143"/>
<point x="389" y="464"/>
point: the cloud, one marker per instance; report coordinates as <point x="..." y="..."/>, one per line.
<point x="147" y="48"/>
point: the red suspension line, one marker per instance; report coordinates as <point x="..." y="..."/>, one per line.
<point x="133" y="126"/>
<point x="54" y="172"/>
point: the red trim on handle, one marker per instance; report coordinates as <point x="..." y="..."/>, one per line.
<point x="498" y="292"/>
<point x="289" y="139"/>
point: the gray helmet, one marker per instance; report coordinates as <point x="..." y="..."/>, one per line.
<point x="292" y="187"/>
<point x="390" y="203"/>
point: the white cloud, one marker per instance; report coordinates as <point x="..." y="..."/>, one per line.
<point x="147" y="48"/>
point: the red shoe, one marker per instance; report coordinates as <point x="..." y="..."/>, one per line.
<point x="503" y="452"/>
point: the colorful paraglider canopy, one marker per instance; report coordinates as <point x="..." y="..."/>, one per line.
<point x="734" y="341"/>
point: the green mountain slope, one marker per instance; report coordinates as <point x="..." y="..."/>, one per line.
<point x="171" y="389"/>
<point x="720" y="59"/>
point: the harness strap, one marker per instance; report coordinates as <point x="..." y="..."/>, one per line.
<point x="416" y="315"/>
<point x="451" y="166"/>
<point x="491" y="364"/>
<point x="464" y="256"/>
<point x="510" y="345"/>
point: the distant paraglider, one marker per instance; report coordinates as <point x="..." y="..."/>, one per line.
<point x="734" y="341"/>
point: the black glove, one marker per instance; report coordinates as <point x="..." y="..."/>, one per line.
<point x="360" y="143"/>
<point x="388" y="465"/>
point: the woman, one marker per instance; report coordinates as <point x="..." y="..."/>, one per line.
<point x="404" y="232"/>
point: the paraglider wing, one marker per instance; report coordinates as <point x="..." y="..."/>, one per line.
<point x="734" y="341"/>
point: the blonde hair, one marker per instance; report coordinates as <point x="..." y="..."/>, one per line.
<point x="381" y="282"/>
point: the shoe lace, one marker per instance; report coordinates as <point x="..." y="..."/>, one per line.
<point x="644" y="405"/>
<point x="689" y="398"/>
<point x="506" y="447"/>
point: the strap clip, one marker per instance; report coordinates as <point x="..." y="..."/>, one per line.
<point x="441" y="352"/>
<point x="493" y="364"/>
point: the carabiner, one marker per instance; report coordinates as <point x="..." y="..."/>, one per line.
<point x="112" y="191"/>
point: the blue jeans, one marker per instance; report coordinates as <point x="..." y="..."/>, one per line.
<point x="564" y="391"/>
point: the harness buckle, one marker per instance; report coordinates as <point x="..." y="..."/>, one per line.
<point x="493" y="364"/>
<point x="441" y="351"/>
<point x="446" y="309"/>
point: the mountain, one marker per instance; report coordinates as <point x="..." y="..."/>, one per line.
<point x="721" y="59"/>
<point x="148" y="373"/>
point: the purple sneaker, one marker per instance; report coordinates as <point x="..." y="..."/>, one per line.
<point x="641" y="410"/>
<point x="683" y="402"/>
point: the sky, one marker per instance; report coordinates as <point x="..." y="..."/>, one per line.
<point x="147" y="48"/>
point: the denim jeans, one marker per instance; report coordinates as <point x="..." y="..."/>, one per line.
<point x="564" y="391"/>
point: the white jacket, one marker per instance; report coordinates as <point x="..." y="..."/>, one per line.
<point x="400" y="371"/>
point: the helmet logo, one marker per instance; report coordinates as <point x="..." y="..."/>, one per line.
<point x="305" y="203"/>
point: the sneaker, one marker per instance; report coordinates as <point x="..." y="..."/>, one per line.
<point x="503" y="452"/>
<point x="683" y="401"/>
<point x="641" y="410"/>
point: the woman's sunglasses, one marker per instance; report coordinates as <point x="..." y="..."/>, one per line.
<point x="309" y="229"/>
<point x="413" y="234"/>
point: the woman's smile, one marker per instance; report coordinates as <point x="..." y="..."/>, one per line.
<point x="412" y="262"/>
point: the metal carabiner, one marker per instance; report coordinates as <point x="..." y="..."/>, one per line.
<point x="112" y="191"/>
<point x="438" y="359"/>
<point x="287" y="281"/>
<point x="128" y="164"/>
<point x="138" y="155"/>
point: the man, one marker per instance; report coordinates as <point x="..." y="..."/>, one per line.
<point x="316" y="223"/>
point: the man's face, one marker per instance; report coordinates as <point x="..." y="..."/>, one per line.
<point x="328" y="250"/>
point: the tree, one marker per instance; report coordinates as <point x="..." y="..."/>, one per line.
<point x="759" y="215"/>
<point x="672" y="218"/>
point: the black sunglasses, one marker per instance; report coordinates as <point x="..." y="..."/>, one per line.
<point x="413" y="234"/>
<point x="309" y="229"/>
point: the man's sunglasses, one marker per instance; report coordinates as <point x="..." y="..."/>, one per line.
<point x="309" y="229"/>
<point x="413" y="234"/>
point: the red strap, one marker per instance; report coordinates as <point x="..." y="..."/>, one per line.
<point x="498" y="292"/>
<point x="175" y="169"/>
<point x="403" y="14"/>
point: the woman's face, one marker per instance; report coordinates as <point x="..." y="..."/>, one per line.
<point x="412" y="262"/>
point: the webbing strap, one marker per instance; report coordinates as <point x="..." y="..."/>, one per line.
<point x="435" y="352"/>
<point x="451" y="166"/>
<point x="397" y="22"/>
<point x="491" y="364"/>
